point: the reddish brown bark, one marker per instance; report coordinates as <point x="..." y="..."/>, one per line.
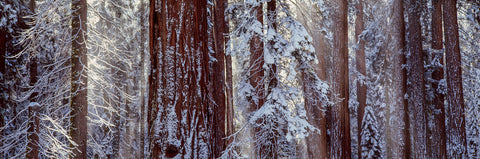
<point x="455" y="112"/>
<point x="272" y="68"/>
<point x="316" y="142"/>
<point x="436" y="143"/>
<point x="257" y="73"/>
<point x="218" y="82"/>
<point x="362" y="71"/>
<point x="79" y="103"/>
<point x="317" y="146"/>
<point x="181" y="115"/>
<point x="397" y="129"/>
<point x="339" y="119"/>
<point x="416" y="89"/>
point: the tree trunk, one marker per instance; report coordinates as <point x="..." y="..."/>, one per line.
<point x="316" y="143"/>
<point x="362" y="71"/>
<point x="436" y="143"/>
<point x="79" y="103"/>
<point x="33" y="111"/>
<point x="397" y="129"/>
<point x="339" y="124"/>
<point x="416" y="89"/>
<point x="218" y="82"/>
<point x="257" y="74"/>
<point x="179" y="108"/>
<point x="455" y="112"/>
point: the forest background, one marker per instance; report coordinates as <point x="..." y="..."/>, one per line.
<point x="239" y="79"/>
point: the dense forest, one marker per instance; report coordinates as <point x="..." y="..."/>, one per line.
<point x="240" y="79"/>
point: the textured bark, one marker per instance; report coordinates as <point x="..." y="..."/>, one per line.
<point x="179" y="108"/>
<point x="79" y="103"/>
<point x="218" y="80"/>
<point x="154" y="78"/>
<point x="317" y="142"/>
<point x="362" y="71"/>
<point x="339" y="124"/>
<point x="397" y="129"/>
<point x="416" y="87"/>
<point x="436" y="143"/>
<point x="455" y="112"/>
<point x="317" y="146"/>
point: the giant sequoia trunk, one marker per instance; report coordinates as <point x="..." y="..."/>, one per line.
<point x="362" y="71"/>
<point x="218" y="79"/>
<point x="179" y="111"/>
<point x="339" y="120"/>
<point x="416" y="87"/>
<point x="397" y="128"/>
<point x="455" y="112"/>
<point x="78" y="104"/>
<point x="436" y="143"/>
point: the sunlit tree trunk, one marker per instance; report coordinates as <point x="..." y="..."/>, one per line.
<point x="436" y="143"/>
<point x="397" y="129"/>
<point x="339" y="120"/>
<point x="416" y="74"/>
<point x="362" y="71"/>
<point x="317" y="146"/>
<point x="455" y="111"/>
<point x="79" y="103"/>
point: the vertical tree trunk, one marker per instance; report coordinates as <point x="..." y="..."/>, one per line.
<point x="218" y="70"/>
<point x="179" y="108"/>
<point x="317" y="146"/>
<point x="416" y="89"/>
<point x="272" y="68"/>
<point x="397" y="129"/>
<point x="155" y="19"/>
<point x="33" y="110"/>
<point x="455" y="112"/>
<point x="362" y="71"/>
<point x="257" y="73"/>
<point x="436" y="143"/>
<point x="339" y="124"/>
<point x="79" y="103"/>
